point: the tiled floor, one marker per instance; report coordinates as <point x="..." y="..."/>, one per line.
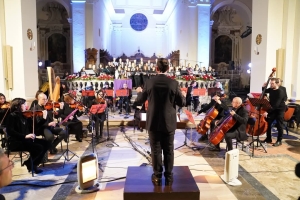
<point x="265" y="176"/>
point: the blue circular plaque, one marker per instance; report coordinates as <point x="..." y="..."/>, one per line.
<point x="138" y="22"/>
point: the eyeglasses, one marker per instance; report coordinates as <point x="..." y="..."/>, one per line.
<point x="10" y="163"/>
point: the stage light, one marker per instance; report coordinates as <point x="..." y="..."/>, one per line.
<point x="87" y="174"/>
<point x="248" y="71"/>
<point x="40" y="63"/>
<point x="247" y="32"/>
<point x="250" y="65"/>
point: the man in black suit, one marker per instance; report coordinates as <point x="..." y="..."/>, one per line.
<point x="163" y="94"/>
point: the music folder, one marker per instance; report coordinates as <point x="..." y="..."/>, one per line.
<point x="199" y="92"/>
<point x="97" y="108"/>
<point x="109" y="92"/>
<point x="122" y="93"/>
<point x="88" y="93"/>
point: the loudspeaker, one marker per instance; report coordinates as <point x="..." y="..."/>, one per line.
<point x="231" y="65"/>
<point x="47" y="63"/>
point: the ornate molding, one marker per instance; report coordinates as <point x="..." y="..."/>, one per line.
<point x="57" y="14"/>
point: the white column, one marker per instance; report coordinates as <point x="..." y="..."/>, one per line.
<point x="19" y="17"/>
<point x="203" y="33"/>
<point x="2" y="43"/>
<point x="89" y="38"/>
<point x="211" y="48"/>
<point x="78" y="29"/>
<point x="117" y="40"/>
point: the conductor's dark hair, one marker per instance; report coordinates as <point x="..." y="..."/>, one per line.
<point x="162" y="65"/>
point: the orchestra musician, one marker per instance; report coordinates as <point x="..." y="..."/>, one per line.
<point x="238" y="130"/>
<point x="125" y="100"/>
<point x="74" y="125"/>
<point x="277" y="98"/>
<point x="4" y="110"/>
<point x="100" y="117"/>
<point x="163" y="94"/>
<point x="46" y="125"/>
<point x="190" y="98"/>
<point x="35" y="102"/>
<point x="22" y="138"/>
<point x="218" y="101"/>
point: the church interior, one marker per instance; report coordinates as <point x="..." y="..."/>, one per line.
<point x="81" y="47"/>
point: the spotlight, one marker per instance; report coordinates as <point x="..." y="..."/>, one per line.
<point x="87" y="174"/>
<point x="250" y="65"/>
<point x="40" y="63"/>
<point x="247" y="32"/>
<point x="248" y="71"/>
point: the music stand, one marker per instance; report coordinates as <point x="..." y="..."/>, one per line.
<point x="66" y="152"/>
<point x="259" y="103"/>
<point x="191" y="119"/>
<point x="86" y="94"/>
<point x="213" y="91"/>
<point x="110" y="93"/>
<point x="123" y="93"/>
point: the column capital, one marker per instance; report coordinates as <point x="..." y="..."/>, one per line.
<point x="117" y="27"/>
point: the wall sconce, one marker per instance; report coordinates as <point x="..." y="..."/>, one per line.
<point x="32" y="47"/>
<point x="256" y="52"/>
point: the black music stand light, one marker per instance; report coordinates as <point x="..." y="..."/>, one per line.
<point x="259" y="103"/>
<point x="66" y="152"/>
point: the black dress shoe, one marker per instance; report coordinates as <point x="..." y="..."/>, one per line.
<point x="27" y="164"/>
<point x="53" y="151"/>
<point x="78" y="139"/>
<point x="278" y="143"/>
<point x="214" y="148"/>
<point x="169" y="181"/>
<point x="156" y="180"/>
<point x="267" y="140"/>
<point x="36" y="170"/>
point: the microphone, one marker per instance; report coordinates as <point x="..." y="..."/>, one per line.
<point x="297" y="170"/>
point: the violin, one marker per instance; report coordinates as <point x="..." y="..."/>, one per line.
<point x="77" y="105"/>
<point x="5" y="106"/>
<point x="100" y="100"/>
<point x="30" y="113"/>
<point x="51" y="105"/>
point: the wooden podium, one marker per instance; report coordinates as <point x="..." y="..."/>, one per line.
<point x="138" y="185"/>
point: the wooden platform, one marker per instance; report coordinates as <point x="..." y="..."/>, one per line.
<point x="138" y="185"/>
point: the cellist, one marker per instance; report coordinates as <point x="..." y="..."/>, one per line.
<point x="238" y="130"/>
<point x="219" y="104"/>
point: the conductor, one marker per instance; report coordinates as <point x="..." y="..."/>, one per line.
<point x="163" y="94"/>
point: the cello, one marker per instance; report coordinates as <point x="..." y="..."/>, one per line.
<point x="223" y="126"/>
<point x="211" y="114"/>
<point x="261" y="125"/>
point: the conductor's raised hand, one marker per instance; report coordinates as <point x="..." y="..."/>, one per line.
<point x="139" y="89"/>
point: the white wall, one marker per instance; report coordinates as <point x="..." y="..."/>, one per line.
<point x="2" y="43"/>
<point x="23" y="16"/>
<point x="89" y="35"/>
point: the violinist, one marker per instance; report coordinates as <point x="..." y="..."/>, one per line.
<point x="277" y="98"/>
<point x="218" y="101"/>
<point x="125" y="100"/>
<point x="75" y="126"/>
<point x="238" y="131"/>
<point x="99" y="117"/>
<point x="4" y="110"/>
<point x="35" y="102"/>
<point x="22" y="138"/>
<point x="46" y="125"/>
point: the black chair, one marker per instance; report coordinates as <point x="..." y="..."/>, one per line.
<point x="20" y="153"/>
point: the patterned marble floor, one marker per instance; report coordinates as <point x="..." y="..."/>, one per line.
<point x="264" y="176"/>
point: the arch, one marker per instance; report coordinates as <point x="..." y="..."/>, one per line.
<point x="236" y="4"/>
<point x="57" y="48"/>
<point x="62" y="2"/>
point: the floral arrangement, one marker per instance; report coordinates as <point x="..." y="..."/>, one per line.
<point x="204" y="77"/>
<point x="171" y="76"/>
<point x="89" y="77"/>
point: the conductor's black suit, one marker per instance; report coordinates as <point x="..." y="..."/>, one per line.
<point x="163" y="94"/>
